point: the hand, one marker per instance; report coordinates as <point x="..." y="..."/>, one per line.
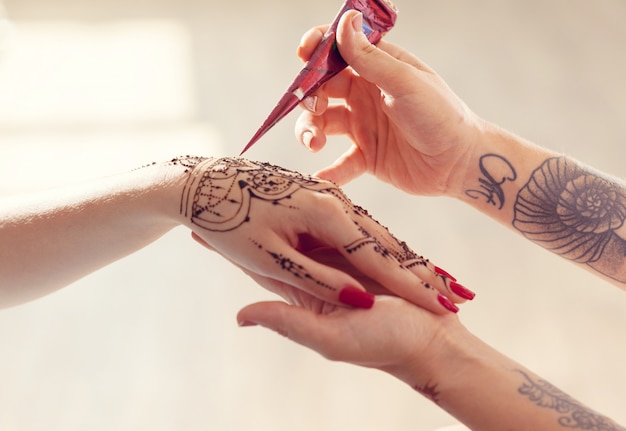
<point x="394" y="336"/>
<point x="407" y="127"/>
<point x="289" y="230"/>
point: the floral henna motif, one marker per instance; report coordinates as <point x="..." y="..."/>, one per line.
<point x="575" y="214"/>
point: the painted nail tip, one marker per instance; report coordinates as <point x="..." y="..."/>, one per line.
<point x="356" y="298"/>
<point x="444" y="273"/>
<point x="447" y="304"/>
<point x="462" y="291"/>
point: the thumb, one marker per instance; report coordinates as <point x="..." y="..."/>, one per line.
<point x="371" y="63"/>
<point x="303" y="326"/>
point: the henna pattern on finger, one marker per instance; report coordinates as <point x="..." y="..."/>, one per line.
<point x="572" y="414"/>
<point x="576" y="214"/>
<point x="297" y="270"/>
<point x="219" y="193"/>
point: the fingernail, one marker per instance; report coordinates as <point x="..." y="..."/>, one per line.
<point x="462" y="291"/>
<point x="245" y="323"/>
<point x="310" y="103"/>
<point x="444" y="273"/>
<point x="357" y="22"/>
<point x="307" y="138"/>
<point x="449" y="305"/>
<point x="356" y="297"/>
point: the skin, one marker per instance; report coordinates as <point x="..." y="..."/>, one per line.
<point x="262" y="218"/>
<point x="436" y="356"/>
<point x="409" y="129"/>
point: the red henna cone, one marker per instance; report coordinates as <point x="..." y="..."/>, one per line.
<point x="379" y="16"/>
<point x="356" y="298"/>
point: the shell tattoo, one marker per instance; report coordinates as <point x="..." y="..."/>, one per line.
<point x="576" y="214"/>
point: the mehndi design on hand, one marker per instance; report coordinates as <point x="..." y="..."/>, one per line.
<point x="220" y="195"/>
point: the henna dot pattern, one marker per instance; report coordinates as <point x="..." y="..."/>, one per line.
<point x="219" y="197"/>
<point x="297" y="270"/>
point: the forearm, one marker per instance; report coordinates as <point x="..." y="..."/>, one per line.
<point x="52" y="238"/>
<point x="551" y="199"/>
<point x="487" y="391"/>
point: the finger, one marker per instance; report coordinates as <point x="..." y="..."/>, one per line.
<point x="373" y="256"/>
<point x="332" y="257"/>
<point x="429" y="273"/>
<point x="349" y="166"/>
<point x="201" y="241"/>
<point x="282" y="263"/>
<point x="312" y="130"/>
<point x="373" y="64"/>
<point x="303" y="326"/>
<point x="315" y="103"/>
<point x="403" y="56"/>
<point x="309" y="41"/>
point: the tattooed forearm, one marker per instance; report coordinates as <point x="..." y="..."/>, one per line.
<point x="491" y="183"/>
<point x="576" y="214"/>
<point x="571" y="413"/>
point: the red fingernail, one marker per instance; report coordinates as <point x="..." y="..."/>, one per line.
<point x="449" y="305"/>
<point x="462" y="291"/>
<point x="444" y="273"/>
<point x="356" y="297"/>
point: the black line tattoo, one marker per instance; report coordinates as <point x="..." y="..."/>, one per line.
<point x="576" y="214"/>
<point x="572" y="414"/>
<point x="490" y="184"/>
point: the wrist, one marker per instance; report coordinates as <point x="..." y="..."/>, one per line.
<point x="436" y="364"/>
<point x="496" y="168"/>
<point x="166" y="183"/>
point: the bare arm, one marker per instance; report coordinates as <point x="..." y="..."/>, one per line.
<point x="254" y="214"/>
<point x="437" y="357"/>
<point x="51" y="238"/>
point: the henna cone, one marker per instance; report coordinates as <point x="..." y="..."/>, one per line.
<point x="379" y="16"/>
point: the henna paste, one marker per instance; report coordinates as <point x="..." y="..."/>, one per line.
<point x="219" y="193"/>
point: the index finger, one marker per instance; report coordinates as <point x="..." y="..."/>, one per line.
<point x="309" y="41"/>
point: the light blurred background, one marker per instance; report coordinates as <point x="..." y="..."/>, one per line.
<point x="91" y="88"/>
